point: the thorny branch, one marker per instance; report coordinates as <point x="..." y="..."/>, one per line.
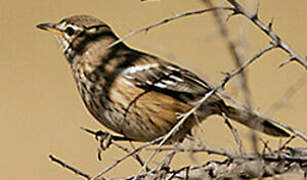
<point x="234" y="155"/>
<point x="234" y="48"/>
<point x="268" y="31"/>
<point x="276" y="43"/>
<point x="236" y="9"/>
<point x="237" y="164"/>
<point x="245" y="64"/>
<point x="242" y="169"/>
<point x="165" y="21"/>
<point x="238" y="59"/>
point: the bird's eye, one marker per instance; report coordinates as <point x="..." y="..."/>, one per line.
<point x="70" y="31"/>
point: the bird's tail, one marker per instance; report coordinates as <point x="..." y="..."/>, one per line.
<point x="254" y="121"/>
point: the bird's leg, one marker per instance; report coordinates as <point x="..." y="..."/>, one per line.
<point x="105" y="139"/>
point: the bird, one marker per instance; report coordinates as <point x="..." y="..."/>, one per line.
<point x="136" y="94"/>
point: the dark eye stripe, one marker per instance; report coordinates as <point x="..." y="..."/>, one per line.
<point x="81" y="34"/>
<point x="97" y="27"/>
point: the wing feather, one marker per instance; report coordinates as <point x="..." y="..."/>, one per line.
<point x="153" y="74"/>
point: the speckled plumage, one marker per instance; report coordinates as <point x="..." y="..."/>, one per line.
<point x="133" y="93"/>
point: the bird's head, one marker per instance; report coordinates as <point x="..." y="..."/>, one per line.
<point x="76" y="34"/>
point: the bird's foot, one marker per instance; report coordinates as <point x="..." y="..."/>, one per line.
<point x="105" y="139"/>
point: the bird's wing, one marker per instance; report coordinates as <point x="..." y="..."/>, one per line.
<point x="153" y="74"/>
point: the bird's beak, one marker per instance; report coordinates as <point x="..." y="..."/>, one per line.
<point x="50" y="27"/>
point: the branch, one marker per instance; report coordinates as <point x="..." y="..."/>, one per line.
<point x="238" y="166"/>
<point x="268" y="31"/>
<point x="106" y="140"/>
<point x="245" y="64"/>
<point x="136" y="156"/>
<point x="238" y="57"/>
<point x="298" y="84"/>
<point x="288" y="153"/>
<point x="126" y="156"/>
<point x="235" y="135"/>
<point x="167" y="20"/>
<point x="66" y="166"/>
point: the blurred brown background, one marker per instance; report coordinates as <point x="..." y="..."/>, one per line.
<point x="41" y="111"/>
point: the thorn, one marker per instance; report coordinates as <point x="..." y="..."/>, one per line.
<point x="51" y="157"/>
<point x="272" y="43"/>
<point x="284" y="146"/>
<point x="255" y="16"/>
<point x="271" y="24"/>
<point x="228" y="17"/>
<point x="285" y="63"/>
<point x="147" y="30"/>
<point x="225" y="73"/>
<point x="232" y="14"/>
<point x="99" y="152"/>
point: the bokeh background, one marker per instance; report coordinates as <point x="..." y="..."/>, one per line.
<point x="41" y="112"/>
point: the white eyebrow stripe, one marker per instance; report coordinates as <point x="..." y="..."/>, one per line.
<point x="74" y="27"/>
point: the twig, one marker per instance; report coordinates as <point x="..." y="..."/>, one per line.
<point x="238" y="60"/>
<point x="236" y="9"/>
<point x="234" y="155"/>
<point x="167" y="20"/>
<point x="167" y="159"/>
<point x="254" y="139"/>
<point x="245" y="64"/>
<point x="283" y="146"/>
<point x="268" y="31"/>
<point x="298" y="84"/>
<point x="187" y="173"/>
<point x="265" y="146"/>
<point x="126" y="156"/>
<point x="136" y="156"/>
<point x="203" y="148"/>
<point x="64" y="165"/>
<point x="235" y="135"/>
<point x="236" y="54"/>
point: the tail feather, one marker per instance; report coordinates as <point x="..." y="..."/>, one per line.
<point x="254" y="121"/>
